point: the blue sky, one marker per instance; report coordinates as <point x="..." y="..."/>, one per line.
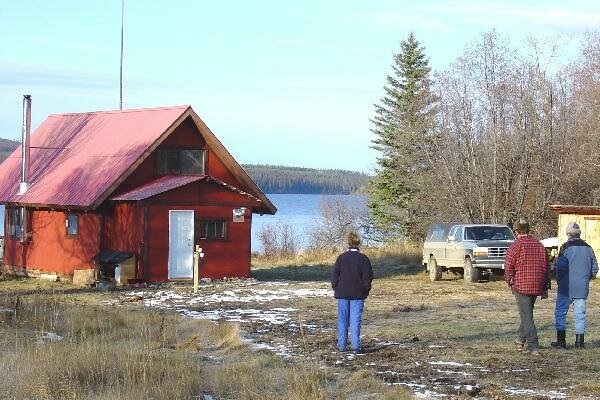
<point x="279" y="82"/>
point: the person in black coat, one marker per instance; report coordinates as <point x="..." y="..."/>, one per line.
<point x="351" y="282"/>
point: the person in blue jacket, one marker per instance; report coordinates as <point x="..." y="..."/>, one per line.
<point x="351" y="282"/>
<point x="575" y="266"/>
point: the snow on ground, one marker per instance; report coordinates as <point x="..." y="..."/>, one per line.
<point x="226" y="301"/>
<point x="50" y="337"/>
<point x="551" y="394"/>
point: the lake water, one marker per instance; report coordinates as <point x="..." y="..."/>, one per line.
<point x="299" y="211"/>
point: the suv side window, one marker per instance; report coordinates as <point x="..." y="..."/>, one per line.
<point x="453" y="231"/>
<point x="457" y="232"/>
<point x="437" y="234"/>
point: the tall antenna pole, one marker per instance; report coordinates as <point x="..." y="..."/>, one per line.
<point x="121" y="66"/>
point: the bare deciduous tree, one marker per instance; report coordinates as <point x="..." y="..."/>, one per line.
<point x="278" y="242"/>
<point x="338" y="217"/>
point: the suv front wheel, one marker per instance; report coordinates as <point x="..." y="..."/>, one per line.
<point x="471" y="274"/>
<point x="435" y="271"/>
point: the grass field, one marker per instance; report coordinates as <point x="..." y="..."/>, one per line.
<point x="273" y="337"/>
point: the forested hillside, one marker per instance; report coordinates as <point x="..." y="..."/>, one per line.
<point x="7" y="147"/>
<point x="280" y="179"/>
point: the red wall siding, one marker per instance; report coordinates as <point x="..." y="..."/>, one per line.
<point x="204" y="193"/>
<point x="51" y="249"/>
<point x="185" y="136"/>
<point x="228" y="258"/>
<point x="123" y="228"/>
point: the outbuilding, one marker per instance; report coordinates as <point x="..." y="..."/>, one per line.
<point x="151" y="183"/>
<point x="588" y="219"/>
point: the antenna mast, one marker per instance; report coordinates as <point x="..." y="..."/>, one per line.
<point x="121" y="65"/>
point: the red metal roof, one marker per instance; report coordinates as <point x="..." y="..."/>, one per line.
<point x="157" y="186"/>
<point x="76" y="158"/>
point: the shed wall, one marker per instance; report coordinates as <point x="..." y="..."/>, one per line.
<point x="185" y="136"/>
<point x="227" y="258"/>
<point x="123" y="229"/>
<point x="590" y="229"/>
<point x="51" y="249"/>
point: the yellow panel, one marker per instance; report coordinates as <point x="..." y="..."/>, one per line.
<point x="592" y="233"/>
<point x="563" y="220"/>
<point x="590" y="229"/>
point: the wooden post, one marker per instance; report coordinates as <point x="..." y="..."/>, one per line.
<point x="196" y="268"/>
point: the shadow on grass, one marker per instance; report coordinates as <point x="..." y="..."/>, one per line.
<point x="322" y="272"/>
<point x="544" y="330"/>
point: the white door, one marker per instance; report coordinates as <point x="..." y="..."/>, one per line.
<point x="181" y="244"/>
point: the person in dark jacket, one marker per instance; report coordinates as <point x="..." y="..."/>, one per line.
<point x="526" y="273"/>
<point x="575" y="265"/>
<point x="351" y="282"/>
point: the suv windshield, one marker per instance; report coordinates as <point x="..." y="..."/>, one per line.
<point x="488" y="233"/>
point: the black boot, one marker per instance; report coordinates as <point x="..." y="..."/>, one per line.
<point x="561" y="340"/>
<point x="579" y="342"/>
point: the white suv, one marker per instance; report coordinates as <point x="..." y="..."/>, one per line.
<point x="466" y="249"/>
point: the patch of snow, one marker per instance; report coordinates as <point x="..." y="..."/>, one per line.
<point x="388" y="372"/>
<point x="411" y="385"/>
<point x="261" y="346"/>
<point x="444" y="371"/>
<point x="428" y="394"/>
<point x="552" y="394"/>
<point x="50" y="337"/>
<point x="450" y="363"/>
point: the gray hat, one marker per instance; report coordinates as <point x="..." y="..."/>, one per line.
<point x="573" y="229"/>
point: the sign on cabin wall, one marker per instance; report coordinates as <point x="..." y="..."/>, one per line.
<point x="238" y="214"/>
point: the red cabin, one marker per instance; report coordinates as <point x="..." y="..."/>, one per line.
<point x="150" y="182"/>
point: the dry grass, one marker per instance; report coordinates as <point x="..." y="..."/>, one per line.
<point x="445" y="336"/>
<point x="316" y="265"/>
<point x="128" y="351"/>
<point x="470" y="325"/>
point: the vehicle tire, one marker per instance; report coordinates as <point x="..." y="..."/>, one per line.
<point x="472" y="273"/>
<point x="435" y="271"/>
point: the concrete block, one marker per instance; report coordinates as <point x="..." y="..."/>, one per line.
<point x="84" y="277"/>
<point x="49" y="277"/>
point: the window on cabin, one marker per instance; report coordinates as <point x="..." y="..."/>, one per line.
<point x="211" y="230"/>
<point x="71" y="223"/>
<point x="180" y="162"/>
<point x="15" y="222"/>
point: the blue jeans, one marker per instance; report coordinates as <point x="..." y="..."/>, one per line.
<point x="560" y="313"/>
<point x="349" y="314"/>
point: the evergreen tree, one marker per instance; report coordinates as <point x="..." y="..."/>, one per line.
<point x="403" y="125"/>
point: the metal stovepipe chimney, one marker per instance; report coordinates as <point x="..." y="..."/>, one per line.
<point x="25" y="144"/>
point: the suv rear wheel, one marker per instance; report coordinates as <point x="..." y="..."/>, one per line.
<point x="435" y="271"/>
<point x="471" y="274"/>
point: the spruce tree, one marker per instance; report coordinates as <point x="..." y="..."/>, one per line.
<point x="405" y="141"/>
